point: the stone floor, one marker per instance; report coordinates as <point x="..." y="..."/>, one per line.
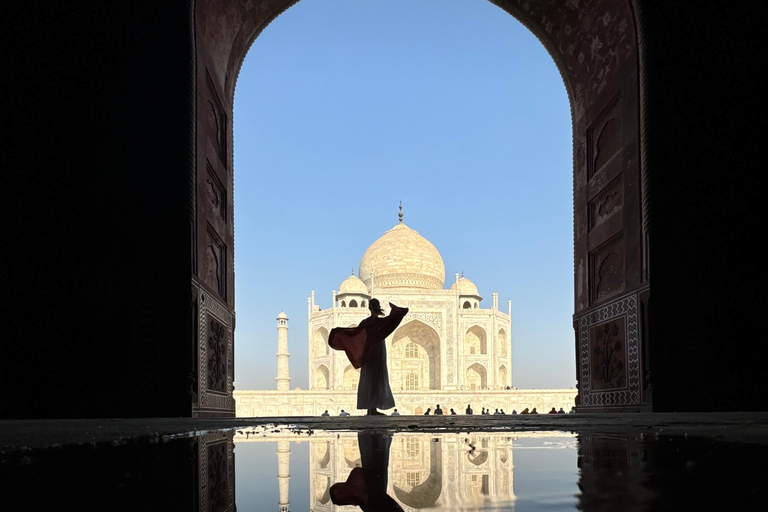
<point x="34" y="434"/>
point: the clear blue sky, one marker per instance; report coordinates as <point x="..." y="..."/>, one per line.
<point x="345" y="107"/>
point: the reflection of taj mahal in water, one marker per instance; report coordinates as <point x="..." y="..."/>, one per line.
<point x="424" y="470"/>
<point x="448" y="349"/>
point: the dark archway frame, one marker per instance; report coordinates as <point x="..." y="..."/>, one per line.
<point x="595" y="46"/>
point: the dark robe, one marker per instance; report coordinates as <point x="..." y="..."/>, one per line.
<point x="366" y="487"/>
<point x="359" y="342"/>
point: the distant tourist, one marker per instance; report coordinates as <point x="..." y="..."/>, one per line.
<point x="325" y="413"/>
<point x="573" y="410"/>
<point x="525" y="411"/>
<point x="427" y="413"/>
<point x="553" y="411"/>
<point x="343" y="413"/>
<point x="482" y="411"/>
<point x="561" y="411"/>
<point x="487" y="412"/>
<point x="469" y="409"/>
<point x="452" y="411"/>
<point x="395" y="413"/>
<point x="534" y="411"/>
<point x="438" y="410"/>
<point x="502" y="412"/>
<point x="496" y="412"/>
<point x="514" y="411"/>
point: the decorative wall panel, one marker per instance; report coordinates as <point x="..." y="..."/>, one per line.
<point x="609" y="354"/>
<point x="607" y="203"/>
<point x="604" y="137"/>
<point x="215" y="263"/>
<point x="215" y="354"/>
<point x="215" y="193"/>
<point x="606" y="268"/>
<point x="217" y="120"/>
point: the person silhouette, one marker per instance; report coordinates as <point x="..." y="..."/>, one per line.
<point x="469" y="409"/>
<point x="452" y="411"/>
<point x="438" y="410"/>
<point x="427" y="413"/>
<point x="496" y="412"/>
<point x="365" y="348"/>
<point x="325" y="413"/>
<point x="366" y="486"/>
<point x="482" y="411"/>
<point x="395" y="413"/>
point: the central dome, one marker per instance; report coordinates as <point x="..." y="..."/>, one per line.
<point x="402" y="258"/>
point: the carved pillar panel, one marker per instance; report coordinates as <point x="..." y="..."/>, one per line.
<point x="213" y="247"/>
<point x="215" y="358"/>
<point x="609" y="355"/>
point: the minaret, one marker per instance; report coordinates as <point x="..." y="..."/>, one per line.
<point x="283" y="473"/>
<point x="283" y="380"/>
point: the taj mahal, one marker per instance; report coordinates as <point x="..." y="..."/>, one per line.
<point x="448" y="350"/>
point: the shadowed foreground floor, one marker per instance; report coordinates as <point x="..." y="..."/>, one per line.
<point x="32" y="434"/>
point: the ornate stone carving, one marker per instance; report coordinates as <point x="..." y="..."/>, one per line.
<point x="608" y="353"/>
<point x="215" y="264"/>
<point x="217" y="355"/>
<point x="433" y="319"/>
<point x="214" y="315"/>
<point x="590" y="39"/>
<point x="616" y="321"/>
<point x="605" y="137"/>
<point x="606" y="203"/>
<point x="215" y="194"/>
<point x="217" y="119"/>
<point x="607" y="270"/>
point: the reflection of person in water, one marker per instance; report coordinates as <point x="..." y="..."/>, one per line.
<point x="366" y="486"/>
<point x="365" y="348"/>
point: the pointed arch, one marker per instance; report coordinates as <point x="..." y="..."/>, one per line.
<point x="501" y="380"/>
<point x="350" y="378"/>
<point x="475" y="341"/>
<point x="321" y="377"/>
<point x="320" y="344"/>
<point x="476" y="377"/>
<point x="501" y="343"/>
<point x="416" y="338"/>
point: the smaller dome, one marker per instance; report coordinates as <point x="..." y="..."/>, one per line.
<point x="466" y="287"/>
<point x="282" y="315"/>
<point x="353" y="284"/>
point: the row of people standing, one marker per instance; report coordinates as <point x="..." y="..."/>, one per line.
<point x="469" y="411"/>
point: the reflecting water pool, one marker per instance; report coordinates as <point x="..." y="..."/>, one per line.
<point x="291" y="469"/>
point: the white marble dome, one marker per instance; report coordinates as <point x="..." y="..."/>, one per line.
<point x="466" y="287"/>
<point x="402" y="258"/>
<point x="353" y="284"/>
